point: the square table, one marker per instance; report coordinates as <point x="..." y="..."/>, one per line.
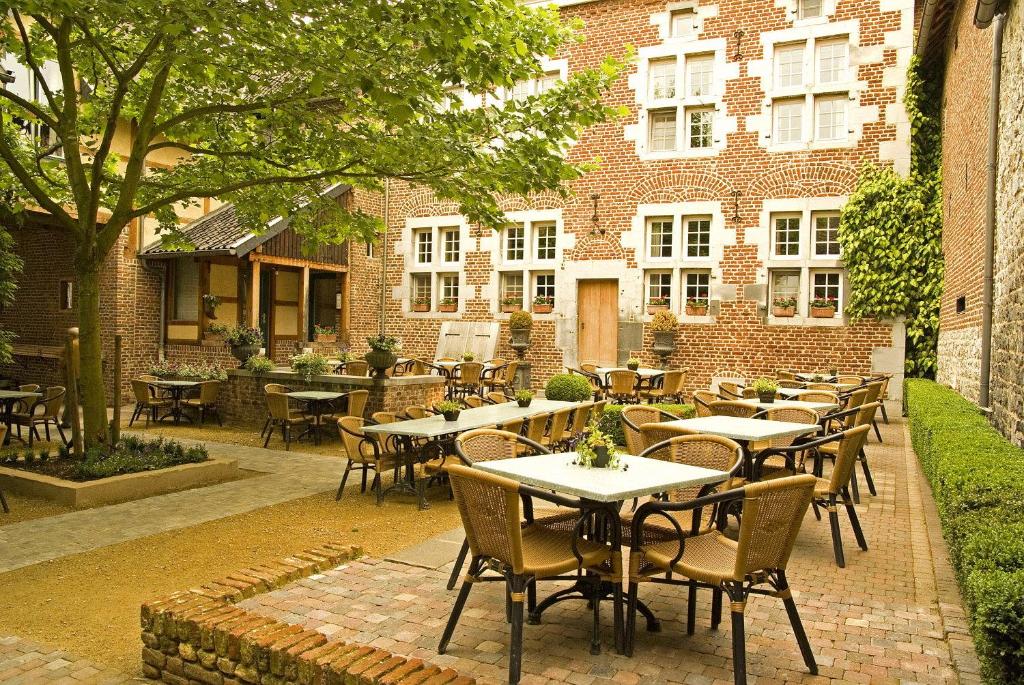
<point x="177" y="390"/>
<point x="316" y="401"/>
<point x="794" y="404"/>
<point x="790" y="393"/>
<point x="9" y="398"/>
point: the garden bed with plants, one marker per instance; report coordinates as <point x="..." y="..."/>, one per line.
<point x="134" y="469"/>
<point x="977" y="480"/>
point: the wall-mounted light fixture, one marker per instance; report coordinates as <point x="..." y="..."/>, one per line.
<point x="595" y="218"/>
<point x="736" y="194"/>
<point x="738" y="35"/>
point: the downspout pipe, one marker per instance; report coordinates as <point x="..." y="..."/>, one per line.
<point x="384" y="252"/>
<point x="998" y="23"/>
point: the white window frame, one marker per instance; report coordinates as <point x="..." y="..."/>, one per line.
<point x="662" y="115"/>
<point x="685" y="284"/>
<point x="774" y="238"/>
<point x="687" y="15"/>
<point x="535" y="286"/>
<point x="649" y="242"/>
<point x="782" y="111"/>
<point x="840" y="290"/>
<point x="685" y="243"/>
<point x="531" y="265"/>
<point x="539" y="230"/>
<point x="424" y="257"/>
<point x="838" y="130"/>
<point x="436" y="226"/>
<point x="444" y="288"/>
<point x="688" y="127"/>
<point x="649" y="277"/>
<point x="444" y="232"/>
<point x="814" y="235"/>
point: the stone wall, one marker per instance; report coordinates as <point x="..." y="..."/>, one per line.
<point x="1007" y="384"/>
<point x="242" y="398"/>
<point x="198" y="636"/>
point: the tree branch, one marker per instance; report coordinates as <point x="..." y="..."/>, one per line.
<point x="221" y="154"/>
<point x="40" y="196"/>
<point x="30" y="107"/>
<point x="111" y="63"/>
<point x="27" y="44"/>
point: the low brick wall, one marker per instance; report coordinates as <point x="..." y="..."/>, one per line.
<point x="199" y="636"/>
<point x="242" y="399"/>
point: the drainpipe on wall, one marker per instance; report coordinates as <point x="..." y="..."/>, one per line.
<point x="162" y="272"/>
<point x="998" y="22"/>
<point x="384" y="252"/>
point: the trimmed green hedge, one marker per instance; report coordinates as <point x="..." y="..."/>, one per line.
<point x="610" y="421"/>
<point x="977" y="478"/>
<point x="568" y="387"/>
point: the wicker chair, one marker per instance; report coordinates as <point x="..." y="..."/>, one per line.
<point x="820" y="396"/>
<point x="416" y="411"/>
<point x="492" y="515"/>
<point x="147" y="403"/>
<point x="730" y="390"/>
<point x="356" y="367"/>
<point x="874" y="392"/>
<point x="738" y="408"/>
<point x="702" y="400"/>
<point x="777" y="466"/>
<point x="580" y="421"/>
<point x="555" y="436"/>
<point x="536" y="427"/>
<point x="595" y="381"/>
<point x="652" y="434"/>
<point x="622" y="386"/>
<point x="284" y="416"/>
<point x="272" y="387"/>
<point x="772" y="514"/>
<point x="859" y="415"/>
<point x="364" y="452"/>
<point x="790" y="383"/>
<point x="828" y="387"/>
<point x="473" y="401"/>
<point x="511" y="372"/>
<point x="633" y="417"/>
<point x="206" y="402"/>
<point x="43" y="411"/>
<point x="496" y="377"/>
<point x="884" y="395"/>
<point x="849" y="380"/>
<point x="357" y="400"/>
<point x="514" y="426"/>
<point x="670" y="388"/>
<point x="467" y="378"/>
<point x="785" y="375"/>
<point x="3" y="500"/>
<point x="495" y="397"/>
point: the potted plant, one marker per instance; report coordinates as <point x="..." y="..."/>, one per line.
<point x="448" y="304"/>
<point x="210" y="304"/>
<point x="524" y="397"/>
<point x="632" y="363"/>
<point x="657" y="304"/>
<point x="696" y="306"/>
<point x="765" y="389"/>
<point x="596" y="450"/>
<point x="823" y="307"/>
<point x="244" y="341"/>
<point x="383" y="353"/>
<point x="324" y="334"/>
<point x="468" y="356"/>
<point x="511" y="304"/>
<point x="784" y="305"/>
<point x="311" y="364"/>
<point x="449" y="409"/>
<point x="258" y="365"/>
<point x="543" y="304"/>
<point x="421" y="304"/>
<point x="519" y="325"/>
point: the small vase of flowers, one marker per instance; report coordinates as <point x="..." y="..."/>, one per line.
<point x="596" y="450"/>
<point x="765" y="389"/>
<point x="524" y="397"/>
<point x="450" y="409"/>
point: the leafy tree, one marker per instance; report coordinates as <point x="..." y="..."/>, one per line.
<point x="891" y="234"/>
<point x="269" y="102"/>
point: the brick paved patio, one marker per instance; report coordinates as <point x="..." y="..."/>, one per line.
<point x="23" y="662"/>
<point x="891" y="615"/>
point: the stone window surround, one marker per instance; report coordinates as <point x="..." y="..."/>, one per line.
<point x="810" y="32"/>
<point x="530" y="266"/>
<point x="792" y="8"/>
<point x="679" y="264"/>
<point x="436" y="267"/>
<point x="547" y="66"/>
<point x="807" y="263"/>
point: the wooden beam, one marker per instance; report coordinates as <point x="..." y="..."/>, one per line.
<point x="254" y="295"/>
<point x="300" y="263"/>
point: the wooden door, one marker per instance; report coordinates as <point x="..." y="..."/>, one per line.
<point x="597" y="331"/>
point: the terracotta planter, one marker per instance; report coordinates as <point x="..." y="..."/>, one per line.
<point x="694" y="310"/>
<point x="447" y="307"/>
<point x="784" y="311"/>
<point x="421" y="307"/>
<point x="509" y="308"/>
<point x="823" y="312"/>
<point x="542" y="308"/>
<point x="652" y="308"/>
<point x="327" y="338"/>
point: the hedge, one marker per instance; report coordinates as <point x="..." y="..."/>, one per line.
<point x="610" y="421"/>
<point x="568" y="387"/>
<point x="977" y="479"/>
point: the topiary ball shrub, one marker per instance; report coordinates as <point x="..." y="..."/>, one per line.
<point x="568" y="387"/>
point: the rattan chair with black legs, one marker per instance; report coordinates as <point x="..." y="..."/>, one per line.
<point x="365" y="452"/>
<point x="636" y="415"/>
<point x="3" y="501"/>
<point x="737" y="408"/>
<point x="702" y="400"/>
<point x="755" y="563"/>
<point x="492" y="509"/>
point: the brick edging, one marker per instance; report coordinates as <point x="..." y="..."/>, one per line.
<point x="199" y="636"/>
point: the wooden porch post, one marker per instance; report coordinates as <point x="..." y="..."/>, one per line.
<point x="254" y="296"/>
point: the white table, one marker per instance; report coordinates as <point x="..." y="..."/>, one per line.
<point x="795" y="392"/>
<point x="644" y="477"/>
<point x="315" y="401"/>
<point x="469" y="419"/>
<point x="644" y="372"/>
<point x="177" y="390"/>
<point x="794" y="404"/>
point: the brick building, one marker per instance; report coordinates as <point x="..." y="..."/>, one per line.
<point x="957" y="42"/>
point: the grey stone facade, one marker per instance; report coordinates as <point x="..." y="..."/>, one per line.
<point x="960" y="360"/>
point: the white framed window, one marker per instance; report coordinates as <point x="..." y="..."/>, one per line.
<point x="699" y="127"/>
<point x="827" y="288"/>
<point x="544" y="288"/>
<point x="512" y="287"/>
<point x="421" y="290"/>
<point x="515" y="243"/>
<point x="662" y="124"/>
<point x="448" y="288"/>
<point x="789" y="65"/>
<point x="545" y="241"/>
<point x="785" y="287"/>
<point x="830" y="117"/>
<point x="826" y="234"/>
<point x="520" y="91"/>
<point x="659" y="287"/>
<point x="697" y="287"/>
<point x="659" y="237"/>
<point x="832" y="59"/>
<point x="788" y="120"/>
<point x="371" y="250"/>
<point x="662" y="79"/>
<point x="424" y="246"/>
<point x="683" y="23"/>
<point x="699" y="75"/>
<point x="451" y="244"/>
<point x="786" y="235"/>
<point x="697" y="236"/>
<point x="548" y="81"/>
<point x="808" y="9"/>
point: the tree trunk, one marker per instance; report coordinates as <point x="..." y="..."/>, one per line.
<point x="93" y="396"/>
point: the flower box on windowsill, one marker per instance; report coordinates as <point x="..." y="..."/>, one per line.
<point x="823" y="312"/>
<point x="543" y="308"/>
<point x="784" y="312"/>
<point x="696" y="310"/>
<point x="421" y="307"/>
<point x="653" y="308"/>
<point x="447" y="308"/>
<point x="509" y="308"/>
<point x="326" y="337"/>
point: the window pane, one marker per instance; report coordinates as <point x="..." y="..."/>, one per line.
<point x="698" y="287"/>
<point x="512" y="287"/>
<point x="659" y="287"/>
<point x="515" y="242"/>
<point x="785" y="288"/>
<point x="789" y="120"/>
<point x="826" y="290"/>
<point x="699" y="72"/>
<point x="421" y="289"/>
<point x="545" y="240"/>
<point x="544" y="289"/>
<point x="831" y="118"/>
<point x="424" y="247"/>
<point x="831" y="61"/>
<point x="698" y="130"/>
<point x="520" y="91"/>
<point x="789" y="65"/>
<point x="683" y="23"/>
<point x="787" y="236"/>
<point x="826" y="235"/>
<point x="548" y="81"/>
<point x="698" y="237"/>
<point x="663" y="130"/>
<point x="662" y="79"/>
<point x="186" y="290"/>
<point x="810" y="8"/>
<point x="659" y="233"/>
<point x="451" y="244"/>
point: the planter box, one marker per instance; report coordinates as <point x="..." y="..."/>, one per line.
<point x="823" y="312"/>
<point x="327" y="338"/>
<point x="652" y="308"/>
<point x="693" y="310"/>
<point x="421" y="307"/>
<point x="784" y="311"/>
<point x="509" y="308"/>
<point x="131" y="486"/>
<point x="542" y="308"/>
<point x="448" y="308"/>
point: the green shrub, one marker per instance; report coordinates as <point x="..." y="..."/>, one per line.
<point x="134" y="455"/>
<point x="610" y="421"/>
<point x="568" y="387"/>
<point x="977" y="478"/>
<point x="259" y="365"/>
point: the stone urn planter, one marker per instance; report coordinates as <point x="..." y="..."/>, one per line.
<point x="243" y="352"/>
<point x="380" y="361"/>
<point x="664" y="342"/>
<point x="823" y="312"/>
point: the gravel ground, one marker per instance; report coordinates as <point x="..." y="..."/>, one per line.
<point x="28" y="508"/>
